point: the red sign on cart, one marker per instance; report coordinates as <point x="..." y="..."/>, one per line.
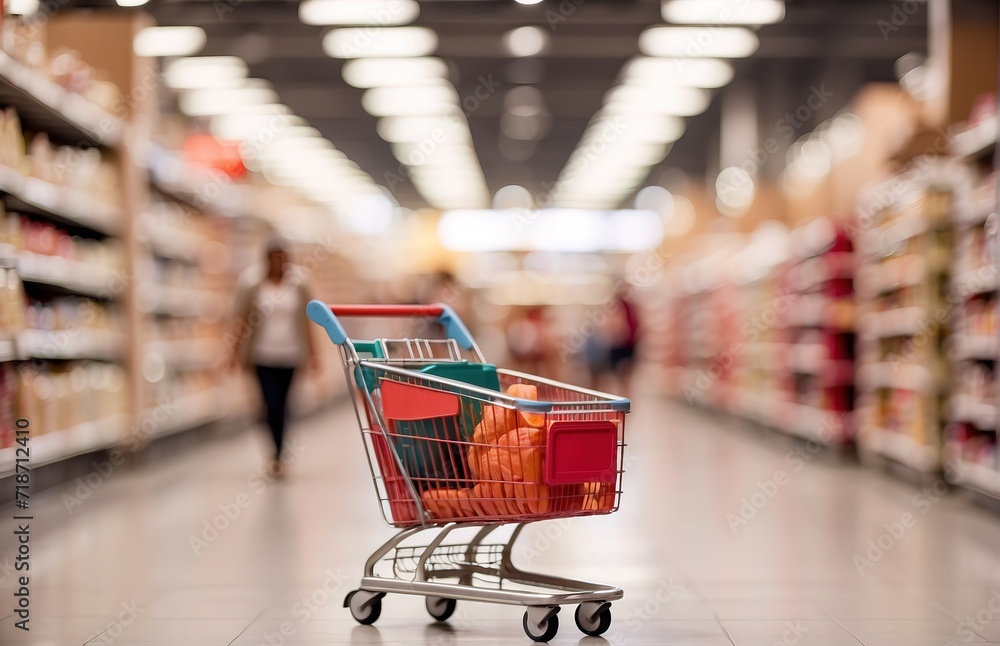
<point x="581" y="452"/>
<point x="402" y="401"/>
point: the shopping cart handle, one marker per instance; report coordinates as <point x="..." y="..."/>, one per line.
<point x="326" y="317"/>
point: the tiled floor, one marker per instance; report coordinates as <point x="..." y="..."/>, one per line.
<point x="121" y="567"/>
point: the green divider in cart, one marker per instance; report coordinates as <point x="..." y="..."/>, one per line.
<point x="368" y="350"/>
<point x="433" y="463"/>
<point x="483" y="375"/>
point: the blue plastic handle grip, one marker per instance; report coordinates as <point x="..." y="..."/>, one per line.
<point x="321" y="314"/>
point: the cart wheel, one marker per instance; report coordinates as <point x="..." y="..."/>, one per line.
<point x="595" y="625"/>
<point x="365" y="606"/>
<point x="440" y="608"/>
<point x="542" y="633"/>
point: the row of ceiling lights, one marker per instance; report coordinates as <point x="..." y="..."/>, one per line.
<point x="272" y="139"/>
<point x="643" y="115"/>
<point x="420" y="115"/>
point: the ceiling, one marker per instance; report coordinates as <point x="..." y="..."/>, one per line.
<point x="834" y="43"/>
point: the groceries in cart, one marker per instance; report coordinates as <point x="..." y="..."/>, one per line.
<point x="506" y="458"/>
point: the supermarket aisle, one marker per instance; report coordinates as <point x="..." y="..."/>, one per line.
<point x="135" y="560"/>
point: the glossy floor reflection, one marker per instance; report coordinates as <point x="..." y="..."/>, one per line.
<point x="726" y="536"/>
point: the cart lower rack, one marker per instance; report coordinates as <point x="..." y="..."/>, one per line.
<point x="457" y="446"/>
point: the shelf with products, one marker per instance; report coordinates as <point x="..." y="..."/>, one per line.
<point x="62" y="262"/>
<point x="68" y="404"/>
<point x="185" y="412"/>
<point x="974" y="418"/>
<point x="83" y="438"/>
<point x="977" y="142"/>
<point x="903" y="372"/>
<point x="185" y="288"/>
<point x="47" y="105"/>
<point x="817" y="377"/>
<point x="75" y="187"/>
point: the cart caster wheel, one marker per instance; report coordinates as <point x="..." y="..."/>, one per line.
<point x="440" y="608"/>
<point x="541" y="633"/>
<point x="594" y="625"/>
<point x="366" y="607"/>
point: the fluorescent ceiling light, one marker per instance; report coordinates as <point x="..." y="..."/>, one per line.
<point x="642" y="99"/>
<point x="690" y="72"/>
<point x="651" y="128"/>
<point x="21" y="7"/>
<point x="380" y="43"/>
<point x="434" y="99"/>
<point x="169" y="41"/>
<point x="414" y="129"/>
<point x="131" y="3"/>
<point x="198" y="103"/>
<point x="528" y="1"/>
<point x="204" y="72"/>
<point x="236" y="127"/>
<point x="526" y="41"/>
<point x="359" y="12"/>
<point x="375" y="72"/>
<point x="723" y="12"/>
<point x="698" y="42"/>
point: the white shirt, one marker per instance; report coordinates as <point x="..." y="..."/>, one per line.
<point x="278" y="342"/>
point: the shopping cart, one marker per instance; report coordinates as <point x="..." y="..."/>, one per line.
<point x="457" y="446"/>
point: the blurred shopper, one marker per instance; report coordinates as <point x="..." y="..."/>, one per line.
<point x="595" y="356"/>
<point x="530" y="342"/>
<point x="625" y="338"/>
<point x="273" y="337"/>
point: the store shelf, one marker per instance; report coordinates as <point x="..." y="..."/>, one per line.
<point x="974" y="282"/>
<point x="974" y="346"/>
<point x="61" y="445"/>
<point x="8" y="256"/>
<point x="901" y="376"/>
<point x="977" y="142"/>
<point x="818" y="270"/>
<point x="69" y="276"/>
<point x="178" y="301"/>
<point x="66" y="206"/>
<point x="982" y="415"/>
<point x="43" y="105"/>
<point x="811" y="423"/>
<point x="904" y="321"/>
<point x="976" y="476"/>
<point x="893" y="274"/>
<point x="8" y="350"/>
<point x="902" y="449"/>
<point x="190" y="412"/>
<point x="69" y="344"/>
<point x="979" y="209"/>
<point x="176" y="246"/>
<point x="188" y="354"/>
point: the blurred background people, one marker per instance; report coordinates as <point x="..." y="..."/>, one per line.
<point x="530" y="341"/>
<point x="624" y="338"/>
<point x="273" y="337"/>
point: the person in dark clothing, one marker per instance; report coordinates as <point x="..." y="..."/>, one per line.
<point x="621" y="354"/>
<point x="273" y="337"/>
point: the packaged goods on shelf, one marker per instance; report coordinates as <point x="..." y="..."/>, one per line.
<point x="60" y="397"/>
<point x="903" y="373"/>
<point x="23" y="42"/>
<point x="971" y="436"/>
<point x="12" y="302"/>
<point x="8" y="393"/>
<point x="819" y="333"/>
